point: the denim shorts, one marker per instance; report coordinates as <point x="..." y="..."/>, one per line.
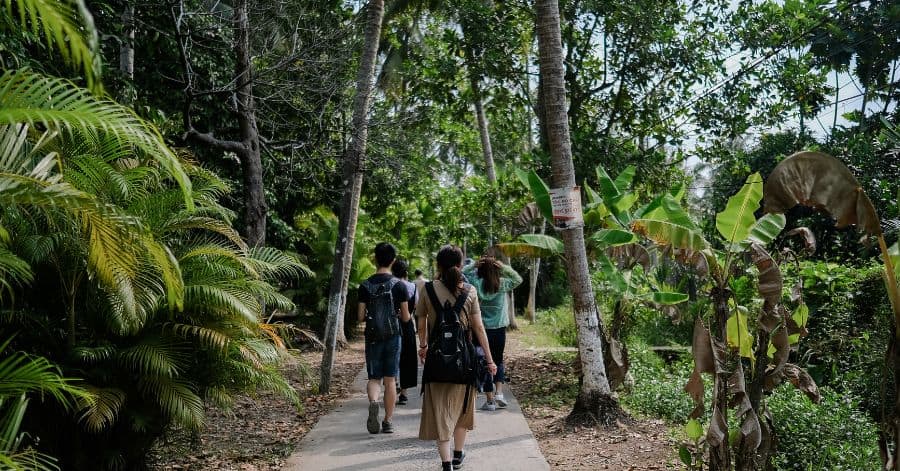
<point x="383" y="358"/>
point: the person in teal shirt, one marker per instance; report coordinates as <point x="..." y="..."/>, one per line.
<point x="493" y="280"/>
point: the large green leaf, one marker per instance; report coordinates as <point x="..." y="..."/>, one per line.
<point x="612" y="275"/>
<point x="665" y="232"/>
<point x="541" y="194"/>
<point x="624" y="179"/>
<point x="593" y="198"/>
<point x="532" y="246"/>
<point x="613" y="237"/>
<point x="667" y="298"/>
<point x="608" y="187"/>
<point x="545" y="242"/>
<point x="766" y="228"/>
<point x="735" y="221"/>
<point x="738" y="334"/>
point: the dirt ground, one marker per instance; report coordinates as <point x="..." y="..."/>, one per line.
<point x="261" y="431"/>
<point x="542" y="383"/>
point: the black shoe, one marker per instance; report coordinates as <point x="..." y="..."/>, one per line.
<point x="458" y="457"/>
<point x="387" y="427"/>
<point x="402" y="399"/>
<point x="372" y="421"/>
<point x="446" y="466"/>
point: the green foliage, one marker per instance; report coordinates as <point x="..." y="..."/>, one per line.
<point x="848" y="332"/>
<point x="658" y="386"/>
<point x="832" y="435"/>
<point x="559" y="323"/>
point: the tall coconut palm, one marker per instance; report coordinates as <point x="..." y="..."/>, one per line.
<point x="595" y="397"/>
<point x="354" y="161"/>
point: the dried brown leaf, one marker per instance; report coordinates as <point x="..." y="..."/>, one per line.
<point x="824" y="183"/>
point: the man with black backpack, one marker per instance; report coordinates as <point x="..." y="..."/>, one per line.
<point x="382" y="305"/>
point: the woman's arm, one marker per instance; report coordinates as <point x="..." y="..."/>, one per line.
<point x="509" y="278"/>
<point x="422" y="330"/>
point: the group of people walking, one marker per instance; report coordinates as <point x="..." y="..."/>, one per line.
<point x="455" y="325"/>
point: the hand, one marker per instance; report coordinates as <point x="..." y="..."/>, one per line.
<point x="492" y="368"/>
<point x="422" y="351"/>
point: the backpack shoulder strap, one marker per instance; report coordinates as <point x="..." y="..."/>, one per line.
<point x="461" y="299"/>
<point x="432" y="295"/>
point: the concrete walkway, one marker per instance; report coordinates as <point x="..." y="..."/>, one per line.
<point x="501" y="440"/>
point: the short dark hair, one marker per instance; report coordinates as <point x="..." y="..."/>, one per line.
<point x="385" y="253"/>
<point x="400" y="268"/>
<point x="418" y="272"/>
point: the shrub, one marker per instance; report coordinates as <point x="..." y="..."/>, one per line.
<point x="658" y="389"/>
<point x="849" y="329"/>
<point x="559" y="323"/>
<point x="832" y="435"/>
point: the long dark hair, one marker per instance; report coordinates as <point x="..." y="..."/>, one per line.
<point x="489" y="272"/>
<point x="449" y="258"/>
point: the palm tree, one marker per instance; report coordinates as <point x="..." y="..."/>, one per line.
<point x="354" y="160"/>
<point x="595" y="398"/>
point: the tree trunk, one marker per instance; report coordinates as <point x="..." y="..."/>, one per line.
<point x="251" y="162"/>
<point x="126" y="50"/>
<point x="720" y="455"/>
<point x="511" y="311"/>
<point x="484" y="132"/>
<point x="353" y="178"/>
<point x="595" y="399"/>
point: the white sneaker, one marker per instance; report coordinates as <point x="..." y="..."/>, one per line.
<point x="501" y="401"/>
<point x="489" y="406"/>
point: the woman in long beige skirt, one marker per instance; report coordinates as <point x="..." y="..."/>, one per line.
<point x="448" y="410"/>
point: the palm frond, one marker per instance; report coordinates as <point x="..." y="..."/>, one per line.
<point x="272" y="264"/>
<point x="28" y="97"/>
<point x="175" y="398"/>
<point x="205" y="335"/>
<point x="154" y="356"/>
<point x="13" y="272"/>
<point x="13" y="456"/>
<point x="66" y="25"/>
<point x="20" y="373"/>
<point x="184" y="222"/>
<point x="105" y="410"/>
<point x="93" y="355"/>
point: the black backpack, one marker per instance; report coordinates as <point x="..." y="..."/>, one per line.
<point x="382" y="319"/>
<point x="451" y="355"/>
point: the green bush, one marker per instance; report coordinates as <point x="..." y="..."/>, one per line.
<point x="832" y="435"/>
<point x="658" y="389"/>
<point x="559" y="323"/>
<point x="849" y="328"/>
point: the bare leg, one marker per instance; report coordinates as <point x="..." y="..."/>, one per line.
<point x="489" y="396"/>
<point x="390" y="397"/>
<point x="459" y="438"/>
<point x="444" y="450"/>
<point x="498" y="388"/>
<point x="373" y="389"/>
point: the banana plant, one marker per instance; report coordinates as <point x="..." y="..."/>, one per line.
<point x="824" y="183"/>
<point x="621" y="260"/>
<point x="724" y="342"/>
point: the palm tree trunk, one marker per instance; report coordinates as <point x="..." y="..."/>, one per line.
<point x="483" y="131"/>
<point x="126" y="52"/>
<point x="595" y="399"/>
<point x="353" y="178"/>
<point x="531" y="309"/>
<point x="251" y="162"/>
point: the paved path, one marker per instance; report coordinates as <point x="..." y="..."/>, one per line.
<point x="501" y="440"/>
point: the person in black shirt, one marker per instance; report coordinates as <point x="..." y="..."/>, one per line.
<point x="409" y="361"/>
<point x="383" y="355"/>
